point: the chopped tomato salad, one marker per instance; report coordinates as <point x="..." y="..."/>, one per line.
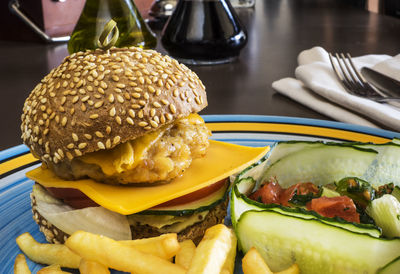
<point x="307" y="195"/>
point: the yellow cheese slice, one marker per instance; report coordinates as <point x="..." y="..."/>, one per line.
<point x="221" y="161"/>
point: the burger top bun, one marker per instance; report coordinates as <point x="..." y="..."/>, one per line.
<point x="98" y="99"/>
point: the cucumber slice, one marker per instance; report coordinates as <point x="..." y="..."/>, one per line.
<point x="326" y="192"/>
<point x="246" y="185"/>
<point x="386" y="167"/>
<point x="240" y="204"/>
<point x="396" y="192"/>
<point x="391" y="268"/>
<point x="386" y="213"/>
<point x="317" y="248"/>
<point x="321" y="165"/>
<point x="205" y="203"/>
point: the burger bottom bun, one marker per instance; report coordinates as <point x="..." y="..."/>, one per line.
<point x="194" y="232"/>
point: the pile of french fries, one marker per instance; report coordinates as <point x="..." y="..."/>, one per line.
<point x="92" y="253"/>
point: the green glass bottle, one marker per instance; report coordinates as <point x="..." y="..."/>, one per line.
<point x="133" y="31"/>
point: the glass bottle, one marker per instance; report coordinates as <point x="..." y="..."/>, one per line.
<point x="133" y="31"/>
<point x="204" y="32"/>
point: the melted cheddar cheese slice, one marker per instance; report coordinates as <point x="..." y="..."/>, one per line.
<point x="221" y="161"/>
<point x="128" y="155"/>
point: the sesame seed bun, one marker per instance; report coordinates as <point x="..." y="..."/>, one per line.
<point x="98" y="99"/>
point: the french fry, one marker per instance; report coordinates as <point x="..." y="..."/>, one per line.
<point x="212" y="251"/>
<point x="91" y="267"/>
<point x="164" y="246"/>
<point x="118" y="256"/>
<point x="293" y="269"/>
<point x="52" y="269"/>
<point x="185" y="254"/>
<point x="229" y="265"/>
<point x="47" y="253"/>
<point x="20" y="265"/>
<point x="253" y="263"/>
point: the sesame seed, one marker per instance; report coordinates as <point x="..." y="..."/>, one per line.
<point x="135" y="106"/>
<point x="172" y="108"/>
<point x="84" y="99"/>
<point x="181" y="84"/>
<point x="158" y="92"/>
<point x="136" y="95"/>
<point x="112" y="112"/>
<point x="143" y="124"/>
<point x="153" y="124"/>
<point x="108" y="143"/>
<point x="117" y="90"/>
<point x="64" y="121"/>
<point x="98" y="104"/>
<point x="156" y="104"/>
<point x="160" y="83"/>
<point x="82" y="145"/>
<point x="65" y="84"/>
<point x="115" y="78"/>
<point x="94" y="116"/>
<point x="197" y="100"/>
<point x="89" y="88"/>
<point x="140" y="114"/>
<point x="70" y="146"/>
<point x="103" y="85"/>
<point x="83" y="107"/>
<point x="118" y="120"/>
<point x="152" y="112"/>
<point x="72" y="111"/>
<point x="75" y="99"/>
<point x="151" y="89"/>
<point x="111" y="98"/>
<point x="192" y="85"/>
<point x="100" y="90"/>
<point x="75" y="137"/>
<point x="142" y="102"/>
<point x="99" y="134"/>
<point x="88" y="136"/>
<point x="120" y="85"/>
<point x="78" y="152"/>
<point x="169" y="116"/>
<point x="69" y="155"/>
<point x="130" y="121"/>
<point x="120" y="99"/>
<point x="108" y="129"/>
<point x="147" y="128"/>
<point x="100" y="145"/>
<point x="116" y="140"/>
<point x="63" y="100"/>
<point x="162" y="119"/>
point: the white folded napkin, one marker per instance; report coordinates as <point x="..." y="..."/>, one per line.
<point x="317" y="87"/>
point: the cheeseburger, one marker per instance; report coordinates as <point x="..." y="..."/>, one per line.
<point x="123" y="118"/>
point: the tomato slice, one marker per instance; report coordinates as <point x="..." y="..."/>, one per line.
<point x="300" y="189"/>
<point x="269" y="193"/>
<point x="341" y="206"/>
<point x="195" y="195"/>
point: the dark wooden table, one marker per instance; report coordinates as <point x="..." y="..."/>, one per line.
<point x="278" y="30"/>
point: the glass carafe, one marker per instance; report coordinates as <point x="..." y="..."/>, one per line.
<point x="204" y="32"/>
<point x="133" y="31"/>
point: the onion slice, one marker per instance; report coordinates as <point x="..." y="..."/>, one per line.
<point x="96" y="220"/>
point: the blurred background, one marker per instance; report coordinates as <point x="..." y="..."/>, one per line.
<point x="51" y="15"/>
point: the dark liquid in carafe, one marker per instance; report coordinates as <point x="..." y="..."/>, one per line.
<point x="204" y="30"/>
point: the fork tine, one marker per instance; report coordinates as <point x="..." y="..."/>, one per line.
<point x="338" y="74"/>
<point x="350" y="70"/>
<point x="347" y="72"/>
<point x="362" y="80"/>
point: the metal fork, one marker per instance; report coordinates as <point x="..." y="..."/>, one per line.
<point x="354" y="82"/>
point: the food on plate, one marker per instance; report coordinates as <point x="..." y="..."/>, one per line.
<point x="124" y="152"/>
<point x="185" y="254"/>
<point x="253" y="263"/>
<point x="20" y="265"/>
<point x="328" y="207"/>
<point x="165" y="246"/>
<point x="47" y="253"/>
<point x="52" y="269"/>
<point x="97" y="253"/>
<point x="217" y="246"/>
<point x="89" y="267"/>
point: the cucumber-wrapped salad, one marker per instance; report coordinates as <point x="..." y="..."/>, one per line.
<point x="329" y="207"/>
